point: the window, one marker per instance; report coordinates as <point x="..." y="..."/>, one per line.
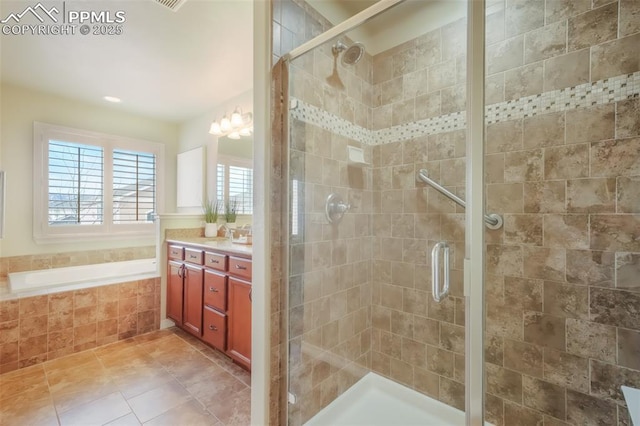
<point x="75" y="184"/>
<point x="93" y="185"/>
<point x="134" y="186"/>
<point x="234" y="180"/>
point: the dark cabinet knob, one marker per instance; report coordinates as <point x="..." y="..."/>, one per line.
<point x="213" y="328"/>
<point x="213" y="290"/>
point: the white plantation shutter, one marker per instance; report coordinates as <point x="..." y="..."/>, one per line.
<point x="75" y="184"/>
<point x="235" y="182"/>
<point x="134" y="186"/>
<point x="241" y="188"/>
<point x="90" y="185"/>
<point x="220" y="184"/>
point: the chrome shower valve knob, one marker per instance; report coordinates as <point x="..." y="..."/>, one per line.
<point x="335" y="208"/>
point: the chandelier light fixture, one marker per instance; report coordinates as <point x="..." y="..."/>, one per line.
<point x="240" y="124"/>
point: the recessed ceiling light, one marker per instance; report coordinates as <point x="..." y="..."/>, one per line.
<point x="112" y="99"/>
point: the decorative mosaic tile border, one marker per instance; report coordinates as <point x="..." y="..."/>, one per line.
<point x="589" y="94"/>
<point x="584" y="95"/>
<point x="325" y="120"/>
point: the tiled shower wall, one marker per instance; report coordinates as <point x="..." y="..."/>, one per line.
<point x="293" y="23"/>
<point x="562" y="167"/>
<point x="330" y="281"/>
<point x="329" y="265"/>
<point x="563" y="275"/>
<point x="416" y="341"/>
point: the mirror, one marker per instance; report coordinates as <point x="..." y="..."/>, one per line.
<point x="236" y="148"/>
<point x="234" y="173"/>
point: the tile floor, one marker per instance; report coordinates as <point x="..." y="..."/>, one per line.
<point x="164" y="377"/>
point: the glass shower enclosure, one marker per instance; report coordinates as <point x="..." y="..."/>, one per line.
<point x="438" y="275"/>
<point x="376" y="254"/>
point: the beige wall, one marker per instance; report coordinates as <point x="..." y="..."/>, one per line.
<point x="20" y="108"/>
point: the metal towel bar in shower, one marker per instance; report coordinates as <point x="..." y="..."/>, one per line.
<point x="493" y="220"/>
<point x="438" y="294"/>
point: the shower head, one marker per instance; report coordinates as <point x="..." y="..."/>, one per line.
<point x="350" y="54"/>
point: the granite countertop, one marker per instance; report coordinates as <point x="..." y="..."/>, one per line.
<point x="216" y="244"/>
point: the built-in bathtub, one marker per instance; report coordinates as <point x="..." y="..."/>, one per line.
<point x="81" y="307"/>
<point x="85" y="276"/>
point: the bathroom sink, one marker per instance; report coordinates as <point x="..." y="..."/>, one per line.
<point x="214" y="242"/>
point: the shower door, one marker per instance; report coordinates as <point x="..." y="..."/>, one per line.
<point x="370" y="109"/>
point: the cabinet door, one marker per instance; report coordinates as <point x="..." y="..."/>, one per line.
<point x="215" y="328"/>
<point x="192" y="318"/>
<point x="215" y="290"/>
<point x="216" y="261"/>
<point x="175" y="252"/>
<point x="174" y="291"/>
<point x="241" y="268"/>
<point x="239" y="322"/>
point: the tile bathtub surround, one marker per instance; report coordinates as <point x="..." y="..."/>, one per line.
<point x="143" y="379"/>
<point x="60" y="260"/>
<point x="42" y="328"/>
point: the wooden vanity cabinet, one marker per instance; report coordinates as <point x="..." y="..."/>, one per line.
<point x="209" y="295"/>
<point x="239" y="327"/>
<point x="215" y="308"/>
<point x="175" y="289"/>
<point x="215" y="328"/>
<point x="215" y="290"/>
<point x="193" y="296"/>
<point x="185" y="279"/>
<point x="215" y="261"/>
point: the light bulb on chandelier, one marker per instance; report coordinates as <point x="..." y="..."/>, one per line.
<point x="240" y="124"/>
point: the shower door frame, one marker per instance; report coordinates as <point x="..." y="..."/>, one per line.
<point x="474" y="219"/>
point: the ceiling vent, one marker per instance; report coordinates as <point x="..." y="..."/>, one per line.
<point x="171" y="4"/>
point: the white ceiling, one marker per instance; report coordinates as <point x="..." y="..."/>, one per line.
<point x="168" y="65"/>
<point x="395" y="26"/>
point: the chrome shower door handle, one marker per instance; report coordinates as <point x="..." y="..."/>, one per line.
<point x="438" y="294"/>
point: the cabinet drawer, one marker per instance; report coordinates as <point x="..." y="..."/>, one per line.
<point x="215" y="328"/>
<point x="215" y="261"/>
<point x="240" y="267"/>
<point x="193" y="256"/>
<point x="175" y="252"/>
<point x="215" y="290"/>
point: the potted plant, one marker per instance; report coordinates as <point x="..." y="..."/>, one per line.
<point x="210" y="218"/>
<point x="230" y="214"/>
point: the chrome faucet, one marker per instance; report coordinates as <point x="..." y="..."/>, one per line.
<point x="227" y="231"/>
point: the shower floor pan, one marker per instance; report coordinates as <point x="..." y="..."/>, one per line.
<point x="377" y="401"/>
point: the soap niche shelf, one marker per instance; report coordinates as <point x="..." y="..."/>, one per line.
<point x="356" y="157"/>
